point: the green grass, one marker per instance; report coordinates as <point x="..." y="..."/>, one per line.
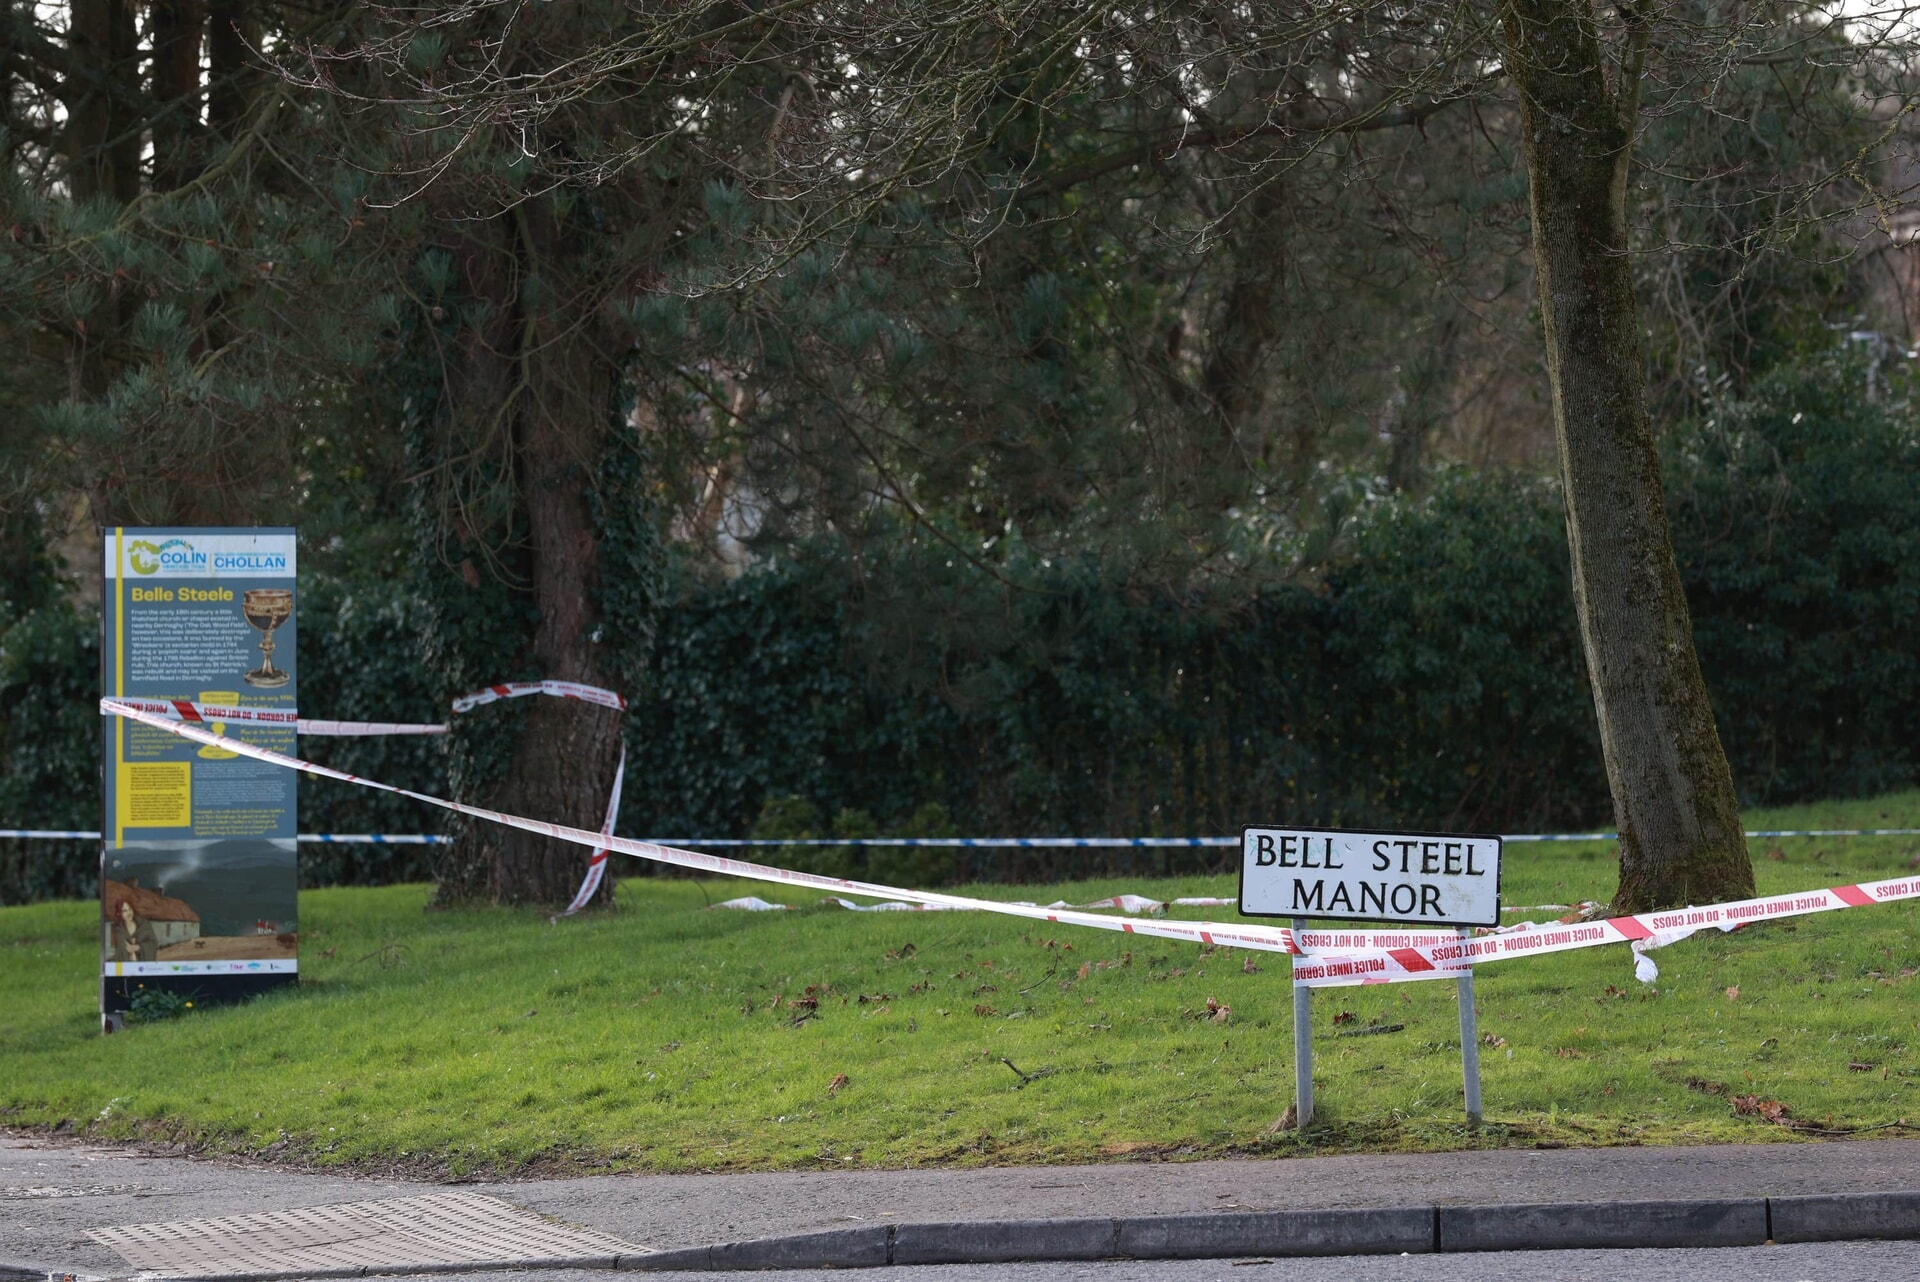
<point x="662" y="1037"/>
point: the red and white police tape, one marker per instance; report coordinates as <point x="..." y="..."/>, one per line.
<point x="1447" y="956"/>
<point x="189" y="712"/>
<point x="558" y="689"/>
<point x="1324" y="957"/>
<point x="1267" y="938"/>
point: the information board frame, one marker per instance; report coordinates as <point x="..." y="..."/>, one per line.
<point x="199" y="872"/>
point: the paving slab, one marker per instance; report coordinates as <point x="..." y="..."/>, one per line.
<point x="432" y="1230"/>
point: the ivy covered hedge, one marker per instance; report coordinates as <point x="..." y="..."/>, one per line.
<point x="1432" y="677"/>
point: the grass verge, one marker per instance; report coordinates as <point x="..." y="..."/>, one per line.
<point x="667" y="1037"/>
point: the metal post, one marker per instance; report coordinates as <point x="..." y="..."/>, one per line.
<point x="1469" y="1042"/>
<point x="1302" y="1045"/>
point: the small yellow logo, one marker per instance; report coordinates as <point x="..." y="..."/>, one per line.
<point x="147" y="558"/>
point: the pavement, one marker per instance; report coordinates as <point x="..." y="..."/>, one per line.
<point x="112" y="1213"/>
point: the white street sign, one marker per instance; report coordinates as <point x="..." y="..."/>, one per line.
<point x="1424" y="878"/>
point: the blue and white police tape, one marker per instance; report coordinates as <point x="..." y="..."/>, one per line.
<point x="984" y="843"/>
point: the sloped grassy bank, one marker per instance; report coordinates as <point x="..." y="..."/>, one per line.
<point x="669" y="1037"/>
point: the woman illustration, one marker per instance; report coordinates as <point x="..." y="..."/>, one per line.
<point x="131" y="939"/>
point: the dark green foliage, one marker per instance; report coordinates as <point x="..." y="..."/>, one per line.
<point x="1456" y="660"/>
<point x="153" y="1005"/>
<point x="1431" y="677"/>
<point x="360" y="661"/>
<point x="1797" y="523"/>
<point x="1433" y="680"/>
<point x="632" y="559"/>
<point x="49" y="751"/>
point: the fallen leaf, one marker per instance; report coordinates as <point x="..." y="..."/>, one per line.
<point x="1218" y="1013"/>
<point x="1733" y="994"/>
<point x="839" y="1082"/>
<point x="983" y="1010"/>
<point x="1344" y="1017"/>
<point x="1248" y="968"/>
<point x="1857" y="1067"/>
<point x="1771" y="1110"/>
<point x="1493" y="1039"/>
<point x="1086" y="968"/>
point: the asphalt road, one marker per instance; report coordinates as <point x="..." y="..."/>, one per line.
<point x="1826" y="1262"/>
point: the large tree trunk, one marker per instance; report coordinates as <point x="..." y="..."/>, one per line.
<point x="564" y="765"/>
<point x="178" y="26"/>
<point x="1243" y="333"/>
<point x="102" y="140"/>
<point x="233" y="32"/>
<point x="1679" y="820"/>
<point x="537" y="370"/>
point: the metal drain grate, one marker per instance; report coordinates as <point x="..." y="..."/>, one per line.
<point x="404" y="1232"/>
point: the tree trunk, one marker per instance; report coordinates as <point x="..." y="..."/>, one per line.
<point x="1243" y="333"/>
<point x="101" y="148"/>
<point x="177" y="30"/>
<point x="102" y="136"/>
<point x="233" y="31"/>
<point x="538" y="370"/>
<point x="1674" y="803"/>
<point x="1426" y="387"/>
<point x="564" y="765"/>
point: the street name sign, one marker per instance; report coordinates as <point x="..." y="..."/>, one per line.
<point x="1436" y="879"/>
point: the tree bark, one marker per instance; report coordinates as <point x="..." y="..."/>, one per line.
<point x="178" y="26"/>
<point x="537" y="370"/>
<point x="1243" y="333"/>
<point x="1673" y="796"/>
<point x="233" y="31"/>
<point x="568" y="751"/>
<point x="102" y="141"/>
<point x="1426" y="385"/>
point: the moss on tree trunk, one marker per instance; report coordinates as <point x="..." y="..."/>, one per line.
<point x="1673" y="796"/>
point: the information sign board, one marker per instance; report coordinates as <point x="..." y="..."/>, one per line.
<point x="198" y="871"/>
<point x="1425" y="878"/>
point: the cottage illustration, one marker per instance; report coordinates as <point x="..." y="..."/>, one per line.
<point x="140" y="922"/>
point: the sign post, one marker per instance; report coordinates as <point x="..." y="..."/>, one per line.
<point x="1302" y="1046"/>
<point x="1437" y="880"/>
<point x="198" y="870"/>
<point x="1469" y="1041"/>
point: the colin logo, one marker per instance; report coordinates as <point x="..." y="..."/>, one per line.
<point x="175" y="556"/>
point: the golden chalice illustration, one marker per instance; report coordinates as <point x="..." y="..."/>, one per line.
<point x="266" y="609"/>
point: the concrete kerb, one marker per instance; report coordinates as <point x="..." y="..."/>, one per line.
<point x="1415" y="1230"/>
<point x="1393" y="1231"/>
